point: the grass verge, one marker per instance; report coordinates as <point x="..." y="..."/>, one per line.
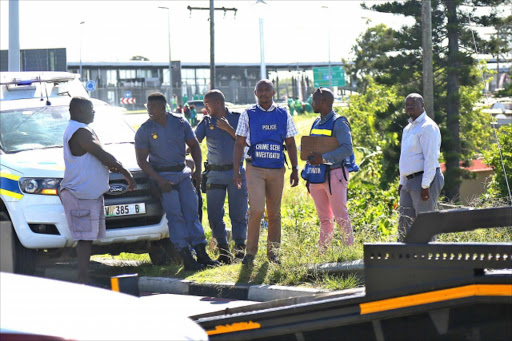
<point x="374" y="218"/>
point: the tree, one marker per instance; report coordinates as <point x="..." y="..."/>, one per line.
<point x="393" y="57"/>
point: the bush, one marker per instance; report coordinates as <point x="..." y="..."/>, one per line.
<point x="498" y="185"/>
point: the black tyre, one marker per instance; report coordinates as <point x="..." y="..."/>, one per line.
<point x="15" y="257"/>
<point x="163" y="252"/>
<point x="24" y="259"/>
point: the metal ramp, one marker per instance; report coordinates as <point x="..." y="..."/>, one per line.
<point x="414" y="290"/>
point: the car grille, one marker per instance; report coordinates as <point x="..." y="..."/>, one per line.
<point x="145" y="193"/>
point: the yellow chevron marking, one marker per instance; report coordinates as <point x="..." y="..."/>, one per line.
<point x="10" y="194"/>
<point x="9" y="176"/>
<point x="235" y="327"/>
<point x="437" y="296"/>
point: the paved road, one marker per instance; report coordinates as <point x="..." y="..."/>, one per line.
<point x="195" y="305"/>
<point x="189" y="305"/>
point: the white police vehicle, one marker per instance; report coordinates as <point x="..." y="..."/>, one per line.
<point x="34" y="112"/>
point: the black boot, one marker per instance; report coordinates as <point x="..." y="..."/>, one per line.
<point x="189" y="262"/>
<point x="239" y="251"/>
<point x="202" y="256"/>
<point x="225" y="256"/>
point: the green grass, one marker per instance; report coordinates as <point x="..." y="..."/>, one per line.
<point x="374" y="217"/>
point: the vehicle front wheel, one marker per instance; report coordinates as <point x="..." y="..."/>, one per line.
<point x="162" y="252"/>
<point x="15" y="257"/>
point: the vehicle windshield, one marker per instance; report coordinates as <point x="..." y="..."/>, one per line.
<point x="39" y="128"/>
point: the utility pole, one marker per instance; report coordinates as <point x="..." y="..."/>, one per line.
<point x="212" y="10"/>
<point x="428" y="77"/>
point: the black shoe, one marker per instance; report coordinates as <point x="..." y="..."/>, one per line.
<point x="189" y="262"/>
<point x="225" y="256"/>
<point x="274" y="259"/>
<point x="203" y="258"/>
<point x="248" y="260"/>
<point x="239" y="251"/>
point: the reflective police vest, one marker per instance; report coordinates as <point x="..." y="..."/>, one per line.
<point x="316" y="174"/>
<point x="268" y="132"/>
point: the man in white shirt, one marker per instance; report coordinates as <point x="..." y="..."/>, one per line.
<point x="421" y="179"/>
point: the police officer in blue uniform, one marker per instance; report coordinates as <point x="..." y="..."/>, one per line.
<point x="162" y="139"/>
<point x="219" y="129"/>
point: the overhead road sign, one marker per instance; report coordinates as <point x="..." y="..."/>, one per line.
<point x="128" y="100"/>
<point x="321" y="76"/>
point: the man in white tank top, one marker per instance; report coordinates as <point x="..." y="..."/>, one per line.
<point x="85" y="180"/>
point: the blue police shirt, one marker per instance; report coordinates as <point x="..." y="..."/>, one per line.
<point x="220" y="143"/>
<point x="166" y="144"/>
<point x="341" y="131"/>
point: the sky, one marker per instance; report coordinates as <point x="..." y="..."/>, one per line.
<point x="294" y="31"/>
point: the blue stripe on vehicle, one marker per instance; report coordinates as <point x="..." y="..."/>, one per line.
<point x="10" y="187"/>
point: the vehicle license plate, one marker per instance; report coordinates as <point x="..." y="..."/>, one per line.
<point x="128" y="209"/>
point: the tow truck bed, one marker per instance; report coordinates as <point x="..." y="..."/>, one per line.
<point x="414" y="290"/>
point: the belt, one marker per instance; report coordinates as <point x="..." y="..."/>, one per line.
<point x="413" y="175"/>
<point x="220" y="167"/>
<point x="216" y="186"/>
<point x="178" y="168"/>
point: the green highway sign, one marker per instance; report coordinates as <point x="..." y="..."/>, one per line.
<point x="321" y="76"/>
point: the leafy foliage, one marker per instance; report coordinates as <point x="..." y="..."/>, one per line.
<point x="393" y="58"/>
<point x="498" y="185"/>
<point x="505" y="92"/>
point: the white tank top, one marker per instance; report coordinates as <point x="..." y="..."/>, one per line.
<point x="85" y="176"/>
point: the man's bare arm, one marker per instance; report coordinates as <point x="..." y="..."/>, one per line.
<point x="238" y="152"/>
<point x="86" y="140"/>
<point x="292" y="154"/>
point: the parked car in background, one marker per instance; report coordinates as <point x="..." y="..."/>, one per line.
<point x="501" y="111"/>
<point x="201" y="110"/>
<point x="42" y="309"/>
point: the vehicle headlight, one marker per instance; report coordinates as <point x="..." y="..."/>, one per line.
<point x="44" y="186"/>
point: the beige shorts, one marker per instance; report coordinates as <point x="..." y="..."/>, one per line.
<point x="86" y="217"/>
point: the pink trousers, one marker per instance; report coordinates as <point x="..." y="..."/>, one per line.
<point x="329" y="206"/>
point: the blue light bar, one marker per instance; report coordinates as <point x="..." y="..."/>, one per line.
<point x="24" y="82"/>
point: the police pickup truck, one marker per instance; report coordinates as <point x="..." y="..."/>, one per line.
<point x="34" y="111"/>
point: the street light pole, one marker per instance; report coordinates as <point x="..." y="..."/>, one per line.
<point x="263" y="67"/>
<point x="81" y="37"/>
<point x="329" y="46"/>
<point x="169" y="100"/>
<point x="212" y="45"/>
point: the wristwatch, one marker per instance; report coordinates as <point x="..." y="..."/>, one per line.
<point x="295" y="167"/>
